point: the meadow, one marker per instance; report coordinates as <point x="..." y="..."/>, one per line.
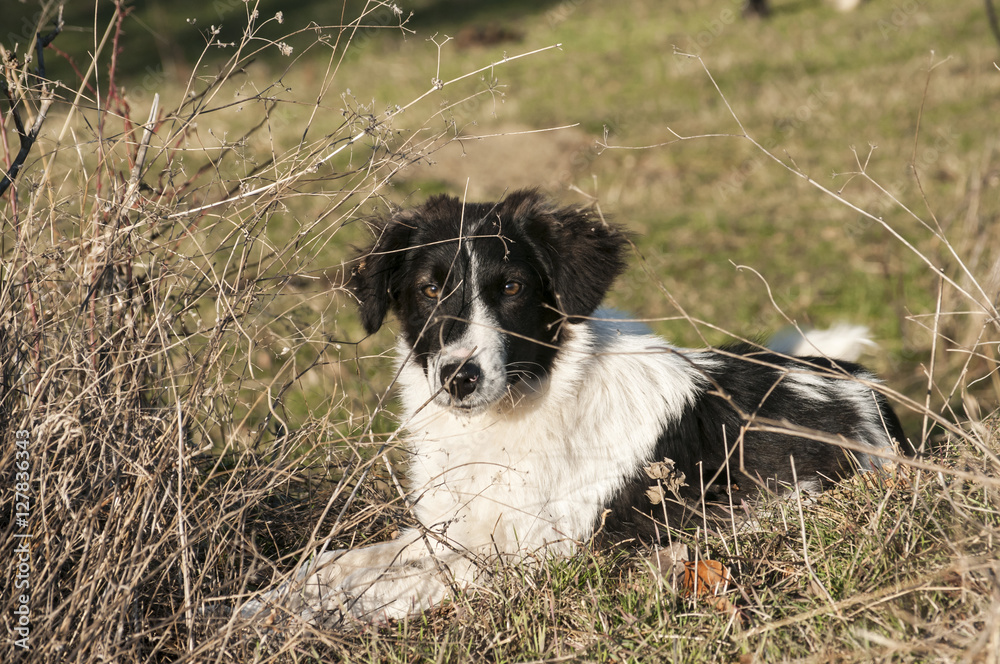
<point x="189" y="402"/>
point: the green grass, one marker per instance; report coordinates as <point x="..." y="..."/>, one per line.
<point x="208" y="369"/>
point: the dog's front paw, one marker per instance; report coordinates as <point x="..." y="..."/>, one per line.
<point x="314" y="591"/>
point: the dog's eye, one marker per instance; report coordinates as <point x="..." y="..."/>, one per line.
<point x="431" y="291"/>
<point x="512" y="288"/>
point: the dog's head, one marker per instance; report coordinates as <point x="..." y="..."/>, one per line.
<point x="482" y="290"/>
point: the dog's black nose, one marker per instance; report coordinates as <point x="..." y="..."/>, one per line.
<point x="460" y="379"/>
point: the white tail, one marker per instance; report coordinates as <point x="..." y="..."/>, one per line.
<point x="841" y="342"/>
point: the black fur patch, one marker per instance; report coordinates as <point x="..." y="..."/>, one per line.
<point x="747" y="384"/>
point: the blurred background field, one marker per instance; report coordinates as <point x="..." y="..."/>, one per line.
<point x="815" y="86"/>
<point x="194" y="325"/>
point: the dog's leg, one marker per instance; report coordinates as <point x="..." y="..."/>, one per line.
<point x="391" y="583"/>
<point x="373" y="583"/>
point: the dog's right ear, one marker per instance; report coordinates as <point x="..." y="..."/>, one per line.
<point x="375" y="278"/>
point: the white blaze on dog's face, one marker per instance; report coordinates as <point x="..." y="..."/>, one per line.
<point x="479" y="291"/>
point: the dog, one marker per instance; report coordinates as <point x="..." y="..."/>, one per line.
<point x="538" y="422"/>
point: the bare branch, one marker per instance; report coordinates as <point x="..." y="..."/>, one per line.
<point x="29" y="137"/>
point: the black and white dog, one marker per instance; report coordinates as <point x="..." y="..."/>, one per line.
<point x="537" y="422"/>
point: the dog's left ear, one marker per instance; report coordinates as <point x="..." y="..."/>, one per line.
<point x="374" y="281"/>
<point x="584" y="253"/>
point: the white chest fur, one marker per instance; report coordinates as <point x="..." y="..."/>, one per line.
<point x="536" y="472"/>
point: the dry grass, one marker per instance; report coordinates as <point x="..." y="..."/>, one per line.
<point x="178" y="367"/>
